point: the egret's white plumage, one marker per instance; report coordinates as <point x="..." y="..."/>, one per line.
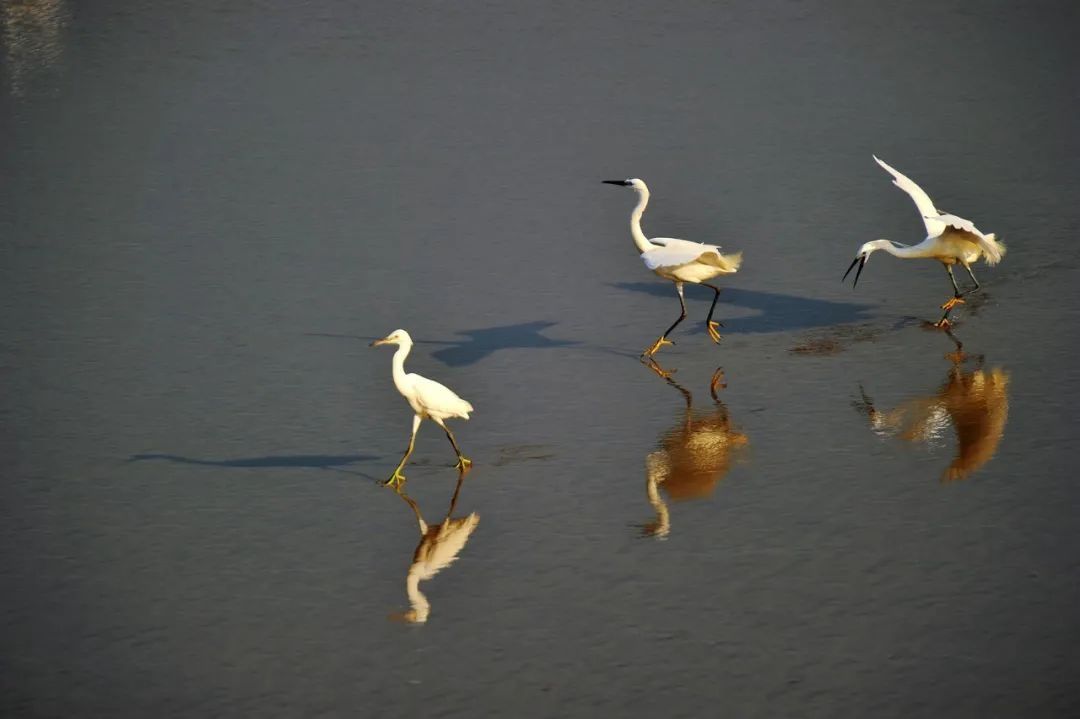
<point x="950" y="239"/>
<point x="428" y="399"/>
<point x="678" y="260"/>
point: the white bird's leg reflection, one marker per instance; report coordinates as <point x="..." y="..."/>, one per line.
<point x="438" y="548"/>
<point x="693" y="455"/>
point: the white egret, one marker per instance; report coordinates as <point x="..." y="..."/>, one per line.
<point x="679" y="261"/>
<point x="438" y="548"/>
<point x="428" y="399"/>
<point x="949" y="240"/>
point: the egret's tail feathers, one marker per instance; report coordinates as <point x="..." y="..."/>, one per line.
<point x="466" y="409"/>
<point x="993" y="248"/>
<point x="726" y="263"/>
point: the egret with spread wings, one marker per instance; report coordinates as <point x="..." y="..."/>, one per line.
<point x="949" y="239"/>
<point x="679" y="261"/>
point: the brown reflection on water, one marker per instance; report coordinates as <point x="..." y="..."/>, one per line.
<point x="975" y="402"/>
<point x="693" y="455"/>
<point x="439" y="546"/>
<point x="33" y="38"/>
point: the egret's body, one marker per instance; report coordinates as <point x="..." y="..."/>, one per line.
<point x="679" y="261"/>
<point x="428" y="399"/>
<point x="950" y="240"/>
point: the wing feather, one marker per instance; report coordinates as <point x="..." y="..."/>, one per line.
<point x="929" y="213"/>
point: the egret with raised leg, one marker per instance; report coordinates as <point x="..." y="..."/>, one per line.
<point x="428" y="399"/>
<point x="950" y="240"/>
<point x="679" y="261"/>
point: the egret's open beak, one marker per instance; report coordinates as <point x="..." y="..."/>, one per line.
<point x="376" y="343"/>
<point x="623" y="183"/>
<point x="861" y="262"/>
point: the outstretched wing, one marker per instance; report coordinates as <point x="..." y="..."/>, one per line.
<point x="676" y="253"/>
<point x="929" y="213"/>
<point x="958" y="222"/>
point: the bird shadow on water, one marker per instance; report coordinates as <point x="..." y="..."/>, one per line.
<point x="777" y="312"/>
<point x="480" y="343"/>
<point x="477" y="344"/>
<point x="333" y="462"/>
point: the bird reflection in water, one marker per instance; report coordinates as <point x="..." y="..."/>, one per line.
<point x="439" y="546"/>
<point x="974" y="401"/>
<point x="693" y="455"/>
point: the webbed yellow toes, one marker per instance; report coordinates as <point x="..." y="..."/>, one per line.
<point x="396" y="479"/>
<point x="656" y="346"/>
<point x="714" y="334"/>
<point x="952" y="303"/>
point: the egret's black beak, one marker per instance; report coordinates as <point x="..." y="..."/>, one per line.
<point x="376" y="343"/>
<point x="861" y="262"/>
<point x="623" y="183"/>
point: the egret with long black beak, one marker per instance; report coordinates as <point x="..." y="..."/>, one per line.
<point x="949" y="239"/>
<point x="679" y="261"/>
<point x="428" y="399"/>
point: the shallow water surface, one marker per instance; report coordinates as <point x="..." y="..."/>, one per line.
<point x="210" y="211"/>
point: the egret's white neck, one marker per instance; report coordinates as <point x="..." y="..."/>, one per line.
<point x="898" y="250"/>
<point x="640" y="239"/>
<point x="420" y="605"/>
<point x="399" y="366"/>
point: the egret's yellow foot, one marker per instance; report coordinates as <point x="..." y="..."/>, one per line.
<point x="396" y="479"/>
<point x="713" y="324"/>
<point x="463" y="463"/>
<point x="952" y="303"/>
<point x="943" y="323"/>
<point x="656" y="346"/>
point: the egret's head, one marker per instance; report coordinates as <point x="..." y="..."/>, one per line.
<point x="862" y="256"/>
<point x="397" y="337"/>
<point x="633" y="182"/>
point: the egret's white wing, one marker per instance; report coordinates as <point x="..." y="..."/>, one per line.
<point x="438" y="399"/>
<point x="672" y="242"/>
<point x="993" y="249"/>
<point x="958" y="222"/>
<point x="683" y="254"/>
<point x="934" y="227"/>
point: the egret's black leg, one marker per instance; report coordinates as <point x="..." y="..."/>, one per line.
<point x="972" y="276"/>
<point x="663" y="338"/>
<point x="952" y="278"/>
<point x="957" y="299"/>
<point x="463" y="462"/>
<point x="709" y="324"/>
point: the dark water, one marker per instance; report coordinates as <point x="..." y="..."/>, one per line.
<point x="209" y="210"/>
